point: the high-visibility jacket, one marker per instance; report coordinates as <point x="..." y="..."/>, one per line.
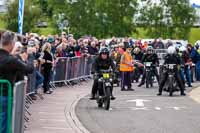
<point x="126" y="59"/>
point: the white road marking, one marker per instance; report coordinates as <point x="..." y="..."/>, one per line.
<point x="135" y="108"/>
<point x="139" y="102"/>
<point x="157" y="108"/>
<point x="177" y="108"/>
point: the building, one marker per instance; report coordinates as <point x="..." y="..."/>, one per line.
<point x="197" y="8"/>
<point x="3" y="5"/>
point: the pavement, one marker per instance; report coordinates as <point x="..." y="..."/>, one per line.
<point x="195" y="94"/>
<point x="55" y="114"/>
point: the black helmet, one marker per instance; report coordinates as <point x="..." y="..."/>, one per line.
<point x="104" y="51"/>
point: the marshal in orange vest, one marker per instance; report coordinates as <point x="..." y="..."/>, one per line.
<point x="124" y="64"/>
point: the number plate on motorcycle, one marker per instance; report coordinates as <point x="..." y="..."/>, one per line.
<point x="106" y="75"/>
<point x="148" y="64"/>
<point x="171" y="66"/>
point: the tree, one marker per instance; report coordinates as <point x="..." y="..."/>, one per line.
<point x="101" y="18"/>
<point x="31" y="15"/>
<point x="167" y="19"/>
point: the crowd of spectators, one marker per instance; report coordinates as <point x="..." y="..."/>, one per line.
<point x="43" y="52"/>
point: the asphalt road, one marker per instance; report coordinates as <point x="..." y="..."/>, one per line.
<point x="141" y="111"/>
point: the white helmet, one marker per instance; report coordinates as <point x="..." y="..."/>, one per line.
<point x="171" y="50"/>
<point x="182" y="49"/>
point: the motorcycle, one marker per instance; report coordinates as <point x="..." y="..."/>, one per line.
<point x="106" y="81"/>
<point x="171" y="84"/>
<point x="149" y="75"/>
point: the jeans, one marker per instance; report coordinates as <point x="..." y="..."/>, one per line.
<point x="187" y="72"/>
<point x="198" y="70"/>
<point x="39" y="79"/>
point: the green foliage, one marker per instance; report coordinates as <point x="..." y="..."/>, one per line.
<point x="194" y="35"/>
<point x="31" y="15"/>
<point x="107" y="18"/>
<point x="101" y="18"/>
<point x="2" y="22"/>
<point x="169" y="19"/>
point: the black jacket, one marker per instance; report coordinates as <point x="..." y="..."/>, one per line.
<point x="138" y="56"/>
<point x="150" y="58"/>
<point x="100" y="64"/>
<point x="92" y="50"/>
<point x="10" y="66"/>
<point x="47" y="57"/>
<point x="172" y="59"/>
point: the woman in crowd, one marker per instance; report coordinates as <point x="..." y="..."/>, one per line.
<point x="47" y="58"/>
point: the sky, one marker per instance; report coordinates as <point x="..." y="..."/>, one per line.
<point x="195" y="1"/>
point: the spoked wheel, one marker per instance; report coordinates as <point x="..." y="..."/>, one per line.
<point x="147" y="80"/>
<point x="171" y="87"/>
<point x="107" y="98"/>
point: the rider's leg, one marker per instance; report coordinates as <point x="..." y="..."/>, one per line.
<point x="155" y="72"/>
<point x="180" y="83"/>
<point x="94" y="89"/>
<point x="162" y="83"/>
<point x="143" y="79"/>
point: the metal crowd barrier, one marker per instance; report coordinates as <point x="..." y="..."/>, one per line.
<point x="19" y="92"/>
<point x="69" y="69"/>
<point x="12" y="106"/>
<point x="65" y="71"/>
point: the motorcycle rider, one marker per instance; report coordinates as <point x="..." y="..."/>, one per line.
<point x="172" y="58"/>
<point x="150" y="56"/>
<point x="137" y="55"/>
<point x="102" y="62"/>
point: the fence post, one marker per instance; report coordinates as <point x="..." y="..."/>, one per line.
<point x="19" y="92"/>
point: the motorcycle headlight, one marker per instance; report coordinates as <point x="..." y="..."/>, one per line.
<point x="100" y="80"/>
<point x="111" y="80"/>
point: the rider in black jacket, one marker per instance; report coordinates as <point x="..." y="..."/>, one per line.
<point x="102" y="62"/>
<point x="150" y="56"/>
<point x="172" y="58"/>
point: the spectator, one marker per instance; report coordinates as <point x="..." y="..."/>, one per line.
<point x="195" y="55"/>
<point x="126" y="42"/>
<point x="159" y="44"/>
<point x="92" y="50"/>
<point x="70" y="51"/>
<point x="51" y="40"/>
<point x="47" y="66"/>
<point x="9" y="67"/>
<point x="59" y="51"/>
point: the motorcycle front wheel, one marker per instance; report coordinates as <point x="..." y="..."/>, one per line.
<point x="107" y="98"/>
